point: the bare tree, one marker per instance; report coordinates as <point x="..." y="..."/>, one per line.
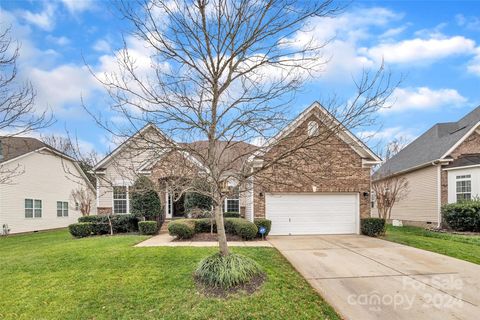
<point x="18" y="115"/>
<point x="391" y="189"/>
<point x="226" y="73"/>
<point x="84" y="198"/>
<point x="70" y="146"/>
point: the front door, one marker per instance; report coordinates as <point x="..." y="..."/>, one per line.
<point x="175" y="205"/>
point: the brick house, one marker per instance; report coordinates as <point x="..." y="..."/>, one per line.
<point x="442" y="166"/>
<point x="331" y="202"/>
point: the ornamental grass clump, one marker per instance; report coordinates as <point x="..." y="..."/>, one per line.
<point x="227" y="271"/>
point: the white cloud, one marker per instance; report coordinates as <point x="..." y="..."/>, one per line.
<point x="75" y="6"/>
<point x="470" y="23"/>
<point x="58" y="86"/>
<point x="392" y="32"/>
<point x="102" y="46"/>
<point x="344" y="32"/>
<point x="61" y="41"/>
<point x="474" y="64"/>
<point x="423" y="98"/>
<point x="388" y="134"/>
<point x="62" y="85"/>
<point x="420" y="50"/>
<point x="44" y="19"/>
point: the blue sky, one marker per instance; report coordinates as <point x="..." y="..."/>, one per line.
<point x="433" y="45"/>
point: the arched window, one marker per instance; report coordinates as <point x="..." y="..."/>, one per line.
<point x="312" y="128"/>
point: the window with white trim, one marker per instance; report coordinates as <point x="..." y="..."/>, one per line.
<point x="312" y="128"/>
<point x="33" y="208"/>
<point x="120" y="200"/>
<point x="232" y="203"/>
<point x="463" y="187"/>
<point x="62" y="209"/>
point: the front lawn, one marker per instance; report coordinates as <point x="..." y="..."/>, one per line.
<point x="49" y="275"/>
<point x="453" y="245"/>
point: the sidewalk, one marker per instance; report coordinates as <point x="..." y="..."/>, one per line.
<point x="165" y="240"/>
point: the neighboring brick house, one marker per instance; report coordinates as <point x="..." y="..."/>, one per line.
<point x="442" y="166"/>
<point x="331" y="202"/>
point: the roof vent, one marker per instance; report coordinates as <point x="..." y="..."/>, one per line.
<point x="452" y="132"/>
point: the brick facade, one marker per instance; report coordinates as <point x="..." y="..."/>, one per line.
<point x="329" y="166"/>
<point x="104" y="210"/>
<point x="470" y="145"/>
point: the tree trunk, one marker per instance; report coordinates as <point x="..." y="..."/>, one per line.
<point x="222" y="237"/>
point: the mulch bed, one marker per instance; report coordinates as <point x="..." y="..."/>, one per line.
<point x="246" y="288"/>
<point x="210" y="237"/>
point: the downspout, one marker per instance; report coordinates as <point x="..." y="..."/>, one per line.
<point x="439" y="195"/>
<point x="97" y="189"/>
<point x="438" y="163"/>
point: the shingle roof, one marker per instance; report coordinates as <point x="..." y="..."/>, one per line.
<point x="464" y="160"/>
<point x="430" y="146"/>
<point x="233" y="153"/>
<point x="12" y="147"/>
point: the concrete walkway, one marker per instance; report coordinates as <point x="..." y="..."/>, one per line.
<point x="165" y="240"/>
<point x="367" y="278"/>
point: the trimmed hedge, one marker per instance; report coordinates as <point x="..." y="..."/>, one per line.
<point x="372" y="227"/>
<point x="462" y="216"/>
<point x="240" y="227"/>
<point x="148" y="227"/>
<point x="231" y="214"/>
<point x="81" y="229"/>
<point x="204" y="225"/>
<point x="245" y="229"/>
<point x="235" y="226"/>
<point x="267" y="224"/>
<point x="121" y="223"/>
<point x="182" y="229"/>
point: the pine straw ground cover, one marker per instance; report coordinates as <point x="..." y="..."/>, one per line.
<point x="51" y="275"/>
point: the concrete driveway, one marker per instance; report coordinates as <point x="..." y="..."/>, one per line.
<point x="367" y="278"/>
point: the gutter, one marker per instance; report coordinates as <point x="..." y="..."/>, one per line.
<point x="420" y="166"/>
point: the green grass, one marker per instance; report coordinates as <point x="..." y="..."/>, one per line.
<point x="458" y="246"/>
<point x="49" y="275"/>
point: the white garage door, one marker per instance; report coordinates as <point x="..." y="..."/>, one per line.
<point x="298" y="214"/>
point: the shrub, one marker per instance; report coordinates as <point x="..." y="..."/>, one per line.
<point x="182" y="229"/>
<point x="197" y="213"/>
<point x="227" y="271"/>
<point x="145" y="201"/>
<point x="267" y="224"/>
<point x="372" y="227"/>
<point x="148" y="227"/>
<point x="462" y="216"/>
<point x="229" y="224"/>
<point x="92" y="219"/>
<point x="124" y="223"/>
<point x="81" y="229"/>
<point x="241" y="227"/>
<point x="231" y="214"/>
<point x="204" y="225"/>
<point x="194" y="200"/>
<point x="120" y="223"/>
<point x="100" y="228"/>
